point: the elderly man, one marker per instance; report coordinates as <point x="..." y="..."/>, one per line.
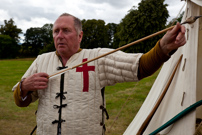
<point x="73" y="103"/>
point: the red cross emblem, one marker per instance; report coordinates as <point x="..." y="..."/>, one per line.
<point x="85" y="68"/>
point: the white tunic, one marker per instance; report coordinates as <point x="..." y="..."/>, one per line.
<point x="83" y="85"/>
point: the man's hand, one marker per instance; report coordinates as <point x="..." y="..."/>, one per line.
<point x="34" y="82"/>
<point x="173" y="39"/>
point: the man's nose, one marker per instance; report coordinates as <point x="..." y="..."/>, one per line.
<point x="60" y="34"/>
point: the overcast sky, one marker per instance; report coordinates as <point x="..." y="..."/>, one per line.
<point x="36" y="13"/>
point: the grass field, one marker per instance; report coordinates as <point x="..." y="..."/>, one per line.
<point x="123" y="101"/>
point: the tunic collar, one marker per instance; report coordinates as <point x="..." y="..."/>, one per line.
<point x="60" y="58"/>
<point x="59" y="54"/>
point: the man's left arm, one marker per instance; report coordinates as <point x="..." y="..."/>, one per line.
<point x="152" y="60"/>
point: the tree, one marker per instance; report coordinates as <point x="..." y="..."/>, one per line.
<point x="48" y="48"/>
<point x="33" y="40"/>
<point x="8" y="47"/>
<point x="47" y="39"/>
<point x="37" y="39"/>
<point x="148" y="18"/>
<point x="95" y="34"/>
<point x="47" y="34"/>
<point x="9" y="39"/>
<point x="111" y="30"/>
<point x="10" y="29"/>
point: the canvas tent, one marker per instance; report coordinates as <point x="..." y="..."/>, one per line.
<point x="185" y="88"/>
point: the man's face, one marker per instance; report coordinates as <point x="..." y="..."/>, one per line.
<point x="66" y="39"/>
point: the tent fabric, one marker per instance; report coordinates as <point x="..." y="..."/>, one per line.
<point x="198" y="2"/>
<point x="184" y="89"/>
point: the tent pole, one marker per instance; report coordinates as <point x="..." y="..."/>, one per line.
<point x="149" y="117"/>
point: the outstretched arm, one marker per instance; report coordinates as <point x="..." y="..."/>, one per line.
<point x="152" y="60"/>
<point x="173" y="39"/>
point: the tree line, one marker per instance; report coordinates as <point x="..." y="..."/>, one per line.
<point x="149" y="17"/>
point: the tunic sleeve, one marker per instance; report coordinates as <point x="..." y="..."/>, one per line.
<point x="151" y="61"/>
<point x="18" y="98"/>
<point x="17" y="92"/>
<point x="125" y="67"/>
<point x="117" y="67"/>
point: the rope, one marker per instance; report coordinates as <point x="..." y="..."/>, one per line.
<point x="177" y="117"/>
<point x="178" y="14"/>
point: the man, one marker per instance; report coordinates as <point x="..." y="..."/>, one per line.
<point x="73" y="103"/>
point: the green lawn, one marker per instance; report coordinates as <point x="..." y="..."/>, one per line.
<point x="123" y="101"/>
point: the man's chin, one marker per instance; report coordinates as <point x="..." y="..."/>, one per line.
<point x="61" y="51"/>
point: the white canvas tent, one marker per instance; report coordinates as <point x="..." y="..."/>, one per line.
<point x="185" y="88"/>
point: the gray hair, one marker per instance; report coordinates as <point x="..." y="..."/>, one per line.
<point x="77" y="22"/>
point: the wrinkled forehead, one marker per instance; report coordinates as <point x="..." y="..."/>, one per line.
<point x="64" y="21"/>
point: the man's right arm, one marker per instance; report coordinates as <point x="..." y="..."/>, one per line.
<point x="19" y="100"/>
<point x="24" y="98"/>
<point x="29" y="85"/>
<point x="18" y="97"/>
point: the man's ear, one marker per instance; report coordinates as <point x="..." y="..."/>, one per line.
<point x="80" y="36"/>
